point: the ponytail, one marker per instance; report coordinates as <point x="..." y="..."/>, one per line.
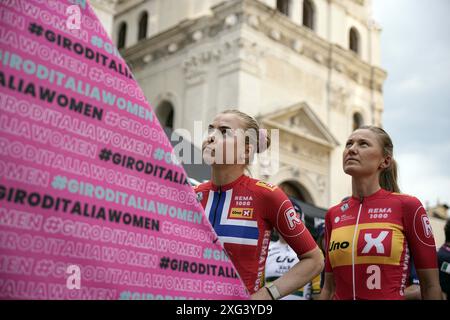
<point x="388" y="178"/>
<point x="255" y="136"/>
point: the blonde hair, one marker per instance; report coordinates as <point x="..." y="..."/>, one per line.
<point x="262" y="142"/>
<point x="388" y="177"/>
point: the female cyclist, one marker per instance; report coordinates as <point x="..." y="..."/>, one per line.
<point x="371" y="235"/>
<point x="243" y="211"/>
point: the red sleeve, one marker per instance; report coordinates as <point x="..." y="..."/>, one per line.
<point x="327" y="241"/>
<point x="282" y="216"/>
<point x="201" y="194"/>
<point x="419" y="234"/>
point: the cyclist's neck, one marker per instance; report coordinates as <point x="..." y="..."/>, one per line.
<point x="226" y="174"/>
<point x="364" y="187"/>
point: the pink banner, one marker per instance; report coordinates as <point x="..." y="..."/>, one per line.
<point x="93" y="204"/>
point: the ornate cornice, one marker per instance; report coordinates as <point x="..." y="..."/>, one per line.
<point x="233" y="15"/>
<point x="115" y="7"/>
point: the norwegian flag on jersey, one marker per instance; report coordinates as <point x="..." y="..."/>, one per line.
<point x="232" y="224"/>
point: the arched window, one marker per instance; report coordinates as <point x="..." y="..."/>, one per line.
<point x="283" y="6"/>
<point x="358" y="120"/>
<point x="122" y="35"/>
<point x="308" y="14"/>
<point x="354" y="40"/>
<point x="294" y="189"/>
<point x="165" y="114"/>
<point x="143" y="26"/>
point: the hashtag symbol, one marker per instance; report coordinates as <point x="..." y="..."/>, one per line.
<point x="175" y="160"/>
<point x="111" y="118"/>
<point x="59" y="183"/>
<point x="43" y="268"/>
<point x="52" y="225"/>
<point x="125" y="295"/>
<point x="35" y="28"/>
<point x="97" y="41"/>
<point x="105" y="155"/>
<point x="164" y="263"/>
<point x="207" y="253"/>
<point x="208" y="286"/>
<point x="159" y="154"/>
<point x="95" y="74"/>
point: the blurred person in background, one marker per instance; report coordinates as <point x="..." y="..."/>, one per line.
<point x="444" y="263"/>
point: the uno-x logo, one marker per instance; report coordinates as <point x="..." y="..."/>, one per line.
<point x="338" y="245"/>
<point x="241" y="213"/>
<point x="375" y="242"/>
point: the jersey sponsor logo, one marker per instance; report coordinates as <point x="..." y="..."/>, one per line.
<point x="405" y="272"/>
<point x="379" y="213"/>
<point x="292" y="218"/>
<point x="259" y="282"/>
<point x="281" y="259"/>
<point x="375" y="242"/>
<point x="266" y="185"/>
<point x="229" y="231"/>
<point x="344" y="217"/>
<point x="426" y="226"/>
<point x="392" y="244"/>
<point x="243" y="198"/>
<point x="243" y="201"/>
<point x="344" y="207"/>
<point x="338" y="245"/>
<point x="422" y="227"/>
<point x="380" y="210"/>
<point x="264" y="249"/>
<point x="374" y="280"/>
<point x="378" y="216"/>
<point x="289" y="223"/>
<point x="241" y="213"/>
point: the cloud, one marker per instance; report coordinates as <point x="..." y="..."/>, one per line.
<point x="421" y="176"/>
<point x="413" y="84"/>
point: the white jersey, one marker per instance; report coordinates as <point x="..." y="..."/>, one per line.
<point x="281" y="258"/>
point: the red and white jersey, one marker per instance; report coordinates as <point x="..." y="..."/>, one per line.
<point x="243" y="213"/>
<point x="369" y="243"/>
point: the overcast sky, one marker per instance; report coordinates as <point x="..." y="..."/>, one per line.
<point x="415" y="49"/>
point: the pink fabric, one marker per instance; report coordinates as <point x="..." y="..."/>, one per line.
<point x="87" y="178"/>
